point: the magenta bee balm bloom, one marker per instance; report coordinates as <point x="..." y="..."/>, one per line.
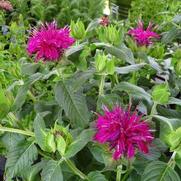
<point x="123" y="131"/>
<point x="141" y="36"/>
<point x="49" y="42"/>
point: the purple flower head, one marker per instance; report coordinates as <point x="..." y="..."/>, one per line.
<point x="141" y="36"/>
<point x="49" y="42"/>
<point x="123" y="131"/>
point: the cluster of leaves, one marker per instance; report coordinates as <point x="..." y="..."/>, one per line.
<point x="62" y="11"/>
<point x="161" y="12"/>
<point x="47" y="109"/>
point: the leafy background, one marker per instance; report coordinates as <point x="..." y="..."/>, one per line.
<point x="105" y="67"/>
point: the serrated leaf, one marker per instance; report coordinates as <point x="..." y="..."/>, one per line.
<point x="129" y="68"/>
<point x="52" y="171"/>
<point x="74" y="105"/>
<point x="81" y="141"/>
<point x="133" y="90"/>
<point x="31" y="173"/>
<point x="79" y="79"/>
<point x="159" y="171"/>
<point x="20" y="157"/>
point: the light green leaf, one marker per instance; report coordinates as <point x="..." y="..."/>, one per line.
<point x="81" y="141"/>
<point x="74" y="105"/>
<point x="52" y="171"/>
<point x="159" y="171"/>
<point x="161" y="94"/>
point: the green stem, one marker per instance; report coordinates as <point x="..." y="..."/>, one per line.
<point x="101" y="87"/>
<point x="153" y="111"/>
<point x="119" y="173"/>
<point x="126" y="175"/>
<point x="171" y="162"/>
<point x="18" y="131"/>
<point x="32" y="97"/>
<point x="75" y="169"/>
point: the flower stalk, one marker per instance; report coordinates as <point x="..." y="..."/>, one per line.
<point x="102" y="83"/>
<point x="119" y="173"/>
<point x="75" y="169"/>
<point x="18" y="131"/>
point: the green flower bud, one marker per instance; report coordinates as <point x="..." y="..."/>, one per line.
<point x="100" y="61"/>
<point x="178" y="67"/>
<point x="61" y="144"/>
<point x="110" y="34"/>
<point x="50" y="143"/>
<point x="78" y="30"/>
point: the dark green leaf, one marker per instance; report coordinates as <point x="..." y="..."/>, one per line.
<point x="159" y="171"/>
<point x="133" y="90"/>
<point x="74" y="104"/>
<point x="20" y="157"/>
<point x="130" y="68"/>
<point x="52" y="171"/>
<point x="96" y="176"/>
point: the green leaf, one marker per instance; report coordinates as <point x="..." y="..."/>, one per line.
<point x="52" y="171"/>
<point x="159" y="171"/>
<point x="129" y="68"/>
<point x="79" y="79"/>
<point x="29" y="68"/>
<point x="40" y="135"/>
<point x="169" y="36"/>
<point x="81" y="141"/>
<point x="32" y="173"/>
<point x="161" y="94"/>
<point x="123" y="52"/>
<point x="22" y="92"/>
<point x="133" y="90"/>
<point x="5" y="103"/>
<point x="110" y="67"/>
<point x="172" y="123"/>
<point x="174" y="140"/>
<point x="173" y="100"/>
<point x="61" y="145"/>
<point x="96" y="176"/>
<point x="75" y="49"/>
<point x="20" y="157"/>
<point x="74" y="105"/>
<point x="177" y="18"/>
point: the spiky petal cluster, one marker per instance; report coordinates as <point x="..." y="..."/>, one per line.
<point x="123" y="131"/>
<point x="49" y="42"/>
<point x="141" y="36"/>
<point x="6" y="5"/>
